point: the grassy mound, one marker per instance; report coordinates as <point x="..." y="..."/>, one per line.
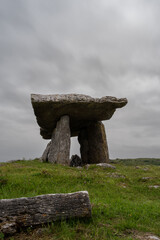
<point x="125" y="203"/>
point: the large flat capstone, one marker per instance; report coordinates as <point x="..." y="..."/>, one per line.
<point x="81" y="109"/>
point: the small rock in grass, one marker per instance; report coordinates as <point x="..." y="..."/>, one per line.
<point x="116" y="175"/>
<point x="146" y="178"/>
<point x="137" y="167"/>
<point x="154" y="186"/>
<point x="145" y="169"/>
<point x="123" y="185"/>
<point x="76" y="161"/>
<point x="153" y="238"/>
<point x="105" y="165"/>
<point x="87" y="166"/>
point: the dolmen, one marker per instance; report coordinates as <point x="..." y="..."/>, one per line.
<point x="62" y="116"/>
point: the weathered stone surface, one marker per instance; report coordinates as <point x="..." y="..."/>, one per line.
<point x="84" y="147"/>
<point x="45" y="154"/>
<point x="105" y="165"/>
<point x="98" y="148"/>
<point x="154" y="186"/>
<point x="76" y="161"/>
<point x="59" y="149"/>
<point x="81" y="109"/>
<point x="25" y="212"/>
<point x="93" y="144"/>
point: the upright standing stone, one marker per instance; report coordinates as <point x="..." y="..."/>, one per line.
<point x="45" y="154"/>
<point x="84" y="148"/>
<point x="98" y="148"/>
<point x="93" y="144"/>
<point x="60" y="143"/>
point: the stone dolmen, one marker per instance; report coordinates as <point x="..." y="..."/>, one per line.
<point x="63" y="116"/>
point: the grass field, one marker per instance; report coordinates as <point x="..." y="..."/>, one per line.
<point x="125" y="203"/>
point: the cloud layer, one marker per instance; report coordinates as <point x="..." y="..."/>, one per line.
<point x="91" y="47"/>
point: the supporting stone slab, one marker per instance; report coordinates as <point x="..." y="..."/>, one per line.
<point x="60" y="143"/>
<point x="84" y="146"/>
<point x="93" y="144"/>
<point x="44" y="157"/>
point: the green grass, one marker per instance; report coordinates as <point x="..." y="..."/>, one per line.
<point x="138" y="161"/>
<point x="122" y="202"/>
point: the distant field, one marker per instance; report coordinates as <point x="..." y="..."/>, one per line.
<point x="125" y="203"/>
<point x="138" y="161"/>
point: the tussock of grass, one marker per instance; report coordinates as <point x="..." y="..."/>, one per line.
<point x="121" y="199"/>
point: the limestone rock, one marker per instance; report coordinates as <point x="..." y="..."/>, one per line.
<point x="105" y="165"/>
<point x="98" y="148"/>
<point x="84" y="147"/>
<point x="60" y="143"/>
<point x="81" y="109"/>
<point x="93" y="144"/>
<point x="76" y="161"/>
<point x="151" y="237"/>
<point x="45" y="154"/>
<point x="154" y="186"/>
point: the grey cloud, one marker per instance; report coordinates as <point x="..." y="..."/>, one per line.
<point x="93" y="47"/>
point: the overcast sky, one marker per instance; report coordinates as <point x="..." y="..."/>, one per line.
<point x="94" y="47"/>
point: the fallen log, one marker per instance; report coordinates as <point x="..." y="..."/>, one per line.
<point x="25" y="212"/>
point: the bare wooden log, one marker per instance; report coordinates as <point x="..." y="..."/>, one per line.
<point x="24" y="212"/>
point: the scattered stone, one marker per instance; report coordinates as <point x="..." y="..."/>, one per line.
<point x="145" y="169"/>
<point x="106" y="165"/>
<point x="116" y="175"/>
<point x="145" y="236"/>
<point x="137" y="167"/>
<point x="76" y="161"/>
<point x="153" y="238"/>
<point x="87" y="166"/>
<point x="154" y="186"/>
<point x="146" y="178"/>
<point x="123" y="185"/>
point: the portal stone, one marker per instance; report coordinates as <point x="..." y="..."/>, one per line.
<point x="61" y="116"/>
<point x="84" y="148"/>
<point x="93" y="144"/>
<point x="60" y="142"/>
